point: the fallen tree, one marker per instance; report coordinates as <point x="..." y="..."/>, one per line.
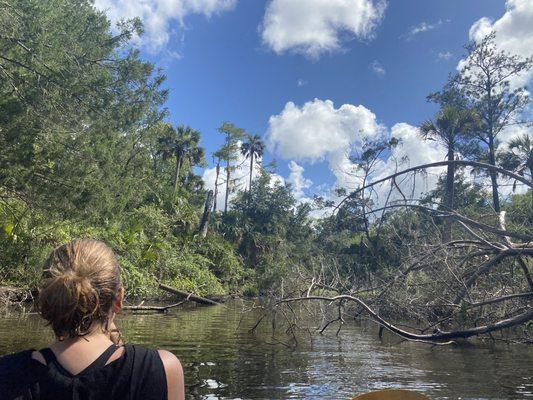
<point x="439" y="336"/>
<point x="161" y="309"/>
<point x="476" y="283"/>
<point x="188" y="296"/>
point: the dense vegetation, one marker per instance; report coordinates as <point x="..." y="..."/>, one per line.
<point x="86" y="150"/>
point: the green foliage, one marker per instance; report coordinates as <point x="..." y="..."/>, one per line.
<point x="269" y="230"/>
<point x="86" y="153"/>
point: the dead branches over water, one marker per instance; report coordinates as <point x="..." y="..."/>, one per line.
<point x="477" y="282"/>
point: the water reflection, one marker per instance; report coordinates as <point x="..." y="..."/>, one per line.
<point x="222" y="360"/>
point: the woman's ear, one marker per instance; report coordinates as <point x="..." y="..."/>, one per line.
<point x="117" y="307"/>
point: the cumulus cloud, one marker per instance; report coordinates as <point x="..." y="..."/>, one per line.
<point x="317" y="131"/>
<point x="158" y="16"/>
<point x="297" y="180"/>
<point x="315" y="27"/>
<point x="514" y="33"/>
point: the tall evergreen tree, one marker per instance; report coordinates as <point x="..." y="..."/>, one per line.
<point x="484" y="79"/>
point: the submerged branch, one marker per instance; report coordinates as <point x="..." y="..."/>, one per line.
<point x="437" y="337"/>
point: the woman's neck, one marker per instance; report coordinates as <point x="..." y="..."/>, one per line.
<point x="95" y="335"/>
<point x="76" y="353"/>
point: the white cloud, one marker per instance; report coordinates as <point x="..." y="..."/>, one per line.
<point x="161" y="18"/>
<point x="514" y="33"/>
<point x="377" y="68"/>
<point x="315" y="27"/>
<point x="301" y="82"/>
<point x="297" y="180"/>
<point x="317" y="131"/>
<point x="421" y="28"/>
<point x="445" y="55"/>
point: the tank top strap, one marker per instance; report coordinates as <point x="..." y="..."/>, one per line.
<point x="101" y="361"/>
<point x="104" y="357"/>
<point x="48" y="355"/>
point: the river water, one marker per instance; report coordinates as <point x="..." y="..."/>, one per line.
<point x="223" y="360"/>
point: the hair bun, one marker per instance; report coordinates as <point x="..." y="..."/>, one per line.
<point x="68" y="299"/>
<point x="82" y="282"/>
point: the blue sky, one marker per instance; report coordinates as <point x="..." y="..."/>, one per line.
<point x="220" y="67"/>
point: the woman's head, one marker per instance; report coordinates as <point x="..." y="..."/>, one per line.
<point x="81" y="288"/>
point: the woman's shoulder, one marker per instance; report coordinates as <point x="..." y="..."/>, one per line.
<point x="173" y="374"/>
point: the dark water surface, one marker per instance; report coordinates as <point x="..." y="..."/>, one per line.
<point x="222" y="360"/>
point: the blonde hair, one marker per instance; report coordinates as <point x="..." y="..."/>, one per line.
<point x="80" y="285"/>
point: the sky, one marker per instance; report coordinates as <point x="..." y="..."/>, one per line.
<point x="315" y="78"/>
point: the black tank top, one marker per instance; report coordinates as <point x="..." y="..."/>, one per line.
<point x="137" y="375"/>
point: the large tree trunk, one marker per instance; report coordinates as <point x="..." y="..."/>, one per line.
<point x="227" y="188"/>
<point x="204" y="224"/>
<point x="188" y="296"/>
<point x="494" y="176"/>
<point x="448" y="196"/>
<point x="216" y="186"/>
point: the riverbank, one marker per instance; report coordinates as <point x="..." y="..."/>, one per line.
<point x="11" y="296"/>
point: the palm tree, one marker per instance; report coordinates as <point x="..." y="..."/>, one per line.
<point x="182" y="144"/>
<point x="519" y="155"/>
<point x="451" y="125"/>
<point x="253" y="147"/>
